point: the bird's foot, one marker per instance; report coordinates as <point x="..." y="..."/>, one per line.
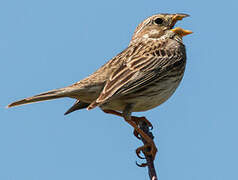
<point x="138" y="121"/>
<point x="143" y="119"/>
<point x="148" y="149"/>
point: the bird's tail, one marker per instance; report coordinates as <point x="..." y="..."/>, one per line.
<point x="53" y="94"/>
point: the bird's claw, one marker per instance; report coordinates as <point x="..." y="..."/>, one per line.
<point x="147" y="150"/>
<point x="142" y="164"/>
<point x="143" y="119"/>
<point x="138" y="153"/>
<point x="137" y="135"/>
<point x="148" y="123"/>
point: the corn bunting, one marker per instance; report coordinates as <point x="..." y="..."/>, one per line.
<point x="139" y="78"/>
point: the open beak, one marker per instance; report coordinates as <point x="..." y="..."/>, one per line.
<point x="180" y="31"/>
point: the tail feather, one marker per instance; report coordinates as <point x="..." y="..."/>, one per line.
<point x="53" y="94"/>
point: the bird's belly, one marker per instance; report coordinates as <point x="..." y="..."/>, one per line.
<point x="145" y="100"/>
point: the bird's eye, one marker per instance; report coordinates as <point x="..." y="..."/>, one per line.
<point x="159" y="21"/>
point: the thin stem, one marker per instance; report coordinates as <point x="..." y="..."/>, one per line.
<point x="149" y="160"/>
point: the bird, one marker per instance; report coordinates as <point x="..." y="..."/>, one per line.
<point x="140" y="78"/>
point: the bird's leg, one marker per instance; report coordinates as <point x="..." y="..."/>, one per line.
<point x="149" y="149"/>
<point x="136" y="134"/>
<point x="137" y="120"/>
<point x="108" y="111"/>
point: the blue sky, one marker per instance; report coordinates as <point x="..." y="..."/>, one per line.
<point x="49" y="44"/>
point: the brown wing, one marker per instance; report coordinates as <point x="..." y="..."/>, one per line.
<point x="146" y="64"/>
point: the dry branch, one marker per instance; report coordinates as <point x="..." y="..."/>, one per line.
<point x="149" y="160"/>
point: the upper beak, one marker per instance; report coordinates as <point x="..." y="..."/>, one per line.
<point x="177" y="17"/>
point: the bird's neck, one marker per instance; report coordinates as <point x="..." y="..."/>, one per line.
<point x="155" y="35"/>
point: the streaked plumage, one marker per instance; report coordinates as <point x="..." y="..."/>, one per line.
<point x="140" y="78"/>
<point x="148" y="60"/>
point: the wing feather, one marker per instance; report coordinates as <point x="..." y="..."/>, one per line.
<point x="143" y="67"/>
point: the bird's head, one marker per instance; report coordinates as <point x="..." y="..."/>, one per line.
<point x="156" y="26"/>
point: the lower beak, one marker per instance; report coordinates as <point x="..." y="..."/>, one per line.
<point x="181" y="32"/>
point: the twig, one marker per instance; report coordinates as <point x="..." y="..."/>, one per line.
<point x="149" y="160"/>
